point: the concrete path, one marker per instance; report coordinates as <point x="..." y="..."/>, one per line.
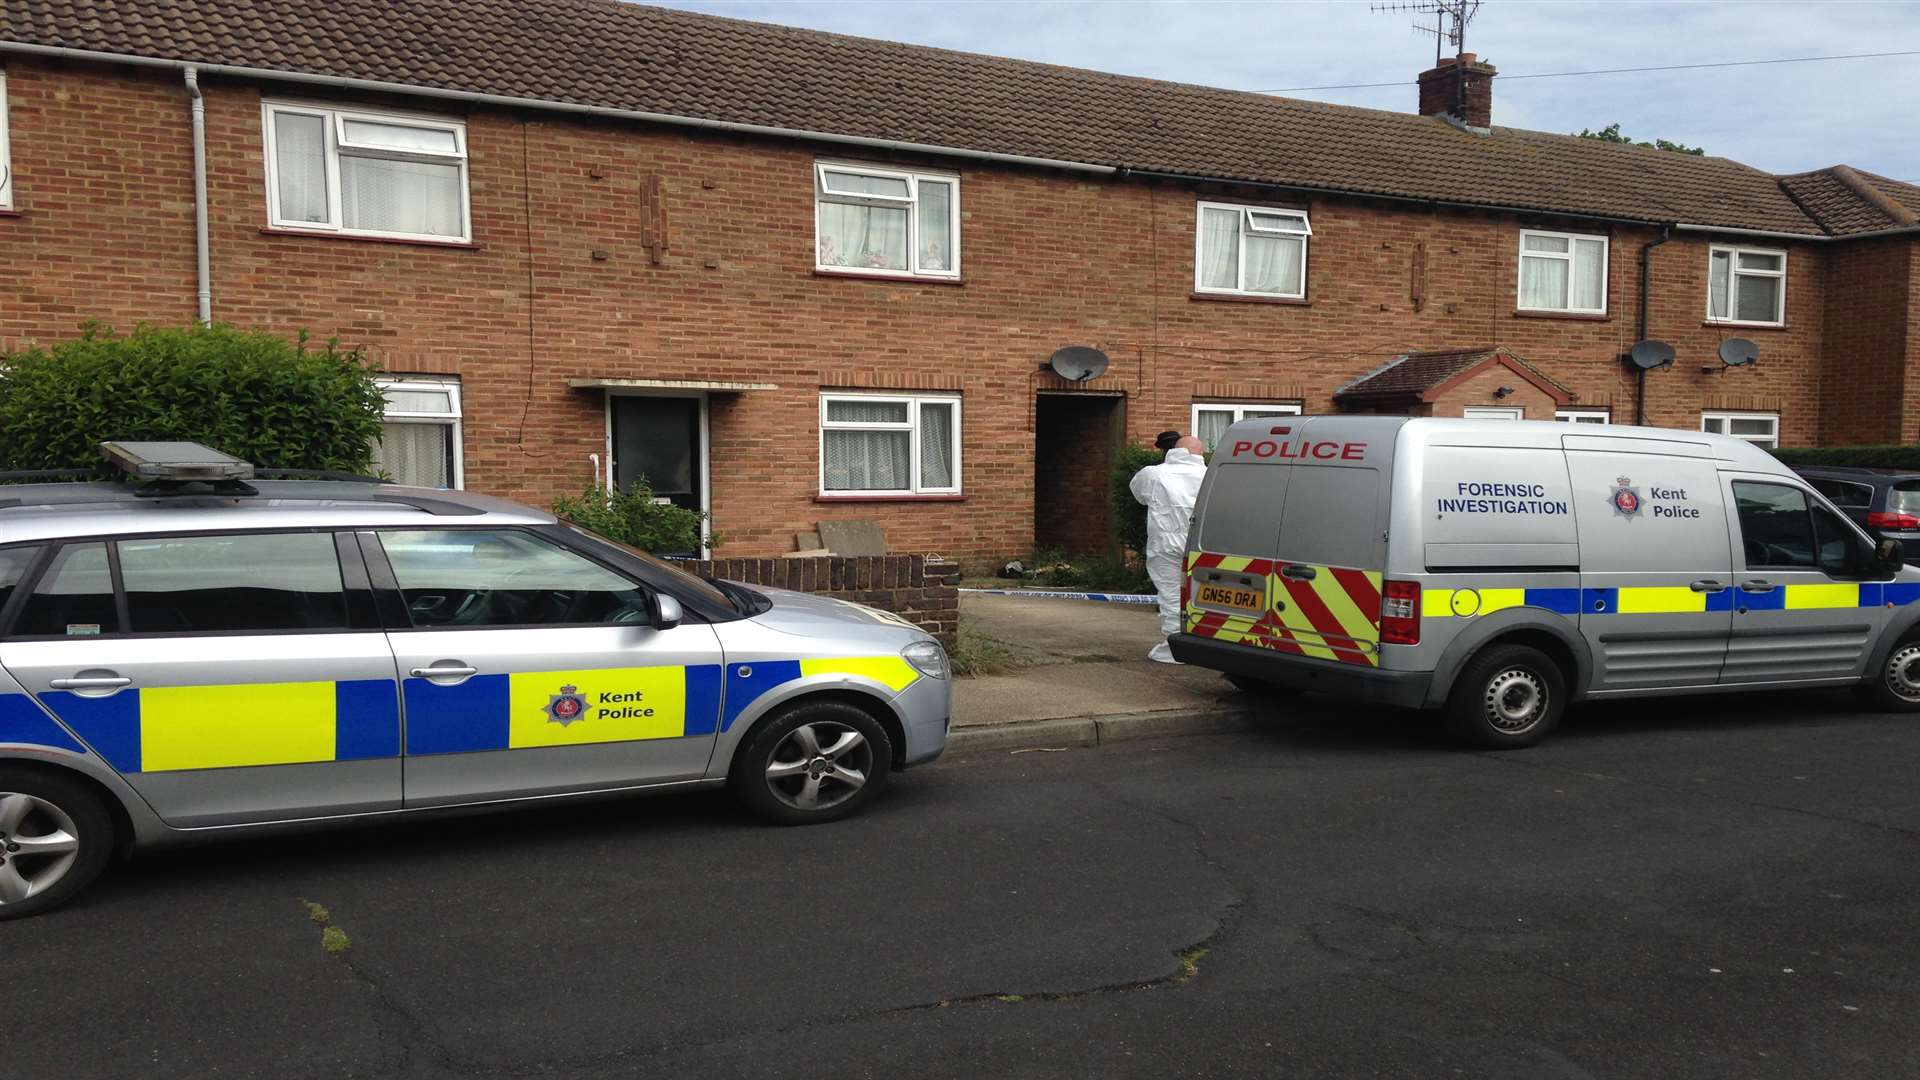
<point x="1086" y="678"/>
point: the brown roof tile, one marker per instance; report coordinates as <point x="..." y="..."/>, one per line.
<point x="1417" y="374"/>
<point x="625" y="56"/>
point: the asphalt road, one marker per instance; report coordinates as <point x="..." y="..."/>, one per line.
<point x="1723" y="887"/>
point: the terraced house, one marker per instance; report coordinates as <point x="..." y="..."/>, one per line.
<point x="793" y="276"/>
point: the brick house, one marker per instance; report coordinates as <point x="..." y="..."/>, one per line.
<point x="794" y="276"/>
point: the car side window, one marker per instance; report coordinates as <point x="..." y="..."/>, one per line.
<point x="477" y="577"/>
<point x="73" y="598"/>
<point x="14" y="563"/>
<point x="1776" y="529"/>
<point x="1841" y="553"/>
<point x="1844" y="495"/>
<point x="260" y="582"/>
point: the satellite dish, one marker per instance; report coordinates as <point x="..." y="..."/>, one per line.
<point x="1649" y="354"/>
<point x="1078" y="363"/>
<point x="1738" y="351"/>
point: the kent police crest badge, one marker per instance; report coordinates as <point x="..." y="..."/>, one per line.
<point x="566" y="706"/>
<point x="1625" y="499"/>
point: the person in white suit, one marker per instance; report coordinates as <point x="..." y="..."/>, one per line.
<point x="1168" y="491"/>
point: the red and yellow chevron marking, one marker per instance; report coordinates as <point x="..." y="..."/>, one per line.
<point x="1333" y="616"/>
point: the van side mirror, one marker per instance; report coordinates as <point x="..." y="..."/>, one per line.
<point x="667" y="612"/>
<point x="1888" y="556"/>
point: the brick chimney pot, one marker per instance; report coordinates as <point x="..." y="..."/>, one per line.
<point x="1461" y="88"/>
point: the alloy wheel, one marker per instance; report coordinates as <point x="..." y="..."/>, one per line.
<point x="38" y="846"/>
<point x="819" y="765"/>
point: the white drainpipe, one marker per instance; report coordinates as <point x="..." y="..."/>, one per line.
<point x="200" y="261"/>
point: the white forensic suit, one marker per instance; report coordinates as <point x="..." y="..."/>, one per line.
<point x="1168" y="491"/>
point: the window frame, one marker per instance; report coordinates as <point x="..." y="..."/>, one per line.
<point x="911" y="426"/>
<point x="911" y="203"/>
<point x="1583" y="416"/>
<point x="455" y="421"/>
<point x="1247" y="226"/>
<point x="1773" y="441"/>
<point x="1485" y="412"/>
<point x="1239" y="409"/>
<point x="1606" y="270"/>
<point x="1734" y="271"/>
<point x="334" y="120"/>
<point x="6" y="149"/>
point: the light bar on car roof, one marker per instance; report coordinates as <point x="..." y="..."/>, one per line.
<point x="175" y="461"/>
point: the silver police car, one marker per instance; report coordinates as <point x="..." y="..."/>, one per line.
<point x="195" y="651"/>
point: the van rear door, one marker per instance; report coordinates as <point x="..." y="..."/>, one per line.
<point x="1291" y="542"/>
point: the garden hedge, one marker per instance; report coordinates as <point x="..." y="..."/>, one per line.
<point x="260" y="397"/>
<point x="1864" y="457"/>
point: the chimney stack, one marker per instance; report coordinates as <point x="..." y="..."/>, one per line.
<point x="1459" y="88"/>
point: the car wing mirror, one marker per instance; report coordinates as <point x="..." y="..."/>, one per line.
<point x="667" y="612"/>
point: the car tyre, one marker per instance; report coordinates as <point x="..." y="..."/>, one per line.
<point x="55" y="838"/>
<point x="813" y="762"/>
<point x="1895" y="687"/>
<point x="1508" y="697"/>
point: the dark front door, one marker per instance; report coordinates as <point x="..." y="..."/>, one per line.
<point x="659" y="438"/>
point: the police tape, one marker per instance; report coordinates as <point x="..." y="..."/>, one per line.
<point x="1055" y="594"/>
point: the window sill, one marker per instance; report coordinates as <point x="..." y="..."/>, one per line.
<point x="1729" y="324"/>
<point x="888" y="498"/>
<point x="1576" y="316"/>
<point x="1240" y="298"/>
<point x="903" y="279"/>
<point x="459" y="244"/>
<point x="6" y="213"/>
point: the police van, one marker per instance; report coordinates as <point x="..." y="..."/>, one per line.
<point x="1500" y="569"/>
<point x="197" y="651"/>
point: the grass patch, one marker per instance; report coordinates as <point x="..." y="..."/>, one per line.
<point x="334" y="940"/>
<point x="1190" y="963"/>
<point x="318" y="913"/>
<point x="974" y="653"/>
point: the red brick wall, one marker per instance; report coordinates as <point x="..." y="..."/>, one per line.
<point x="102" y="177"/>
<point x="1868" y="394"/>
<point x="922" y="591"/>
<point x="1478" y="389"/>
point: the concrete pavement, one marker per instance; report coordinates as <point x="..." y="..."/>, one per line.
<point x="1084" y="679"/>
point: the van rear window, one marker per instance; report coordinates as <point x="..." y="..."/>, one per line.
<point x="1244" y="503"/>
<point x="1332" y="518"/>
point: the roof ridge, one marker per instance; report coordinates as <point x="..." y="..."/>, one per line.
<point x="1874" y="197"/>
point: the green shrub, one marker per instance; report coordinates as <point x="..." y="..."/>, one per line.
<point x="1088" y="573"/>
<point x="633" y="518"/>
<point x="257" y="396"/>
<point x="1864" y="457"/>
<point x="1130" y="517"/>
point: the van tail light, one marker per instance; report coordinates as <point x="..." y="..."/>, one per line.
<point x="1400" y="613"/>
<point x="1887" y="519"/>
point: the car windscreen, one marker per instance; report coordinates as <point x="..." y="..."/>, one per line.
<point x="680" y="578"/>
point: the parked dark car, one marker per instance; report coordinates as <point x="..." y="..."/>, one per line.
<point x="1885" y="501"/>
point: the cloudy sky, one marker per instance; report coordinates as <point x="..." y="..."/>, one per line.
<point x="1780" y="117"/>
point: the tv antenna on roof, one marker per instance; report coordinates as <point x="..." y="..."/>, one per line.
<point x="1450" y="19"/>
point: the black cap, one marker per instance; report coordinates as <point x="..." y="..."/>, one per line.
<point x="1165" y="440"/>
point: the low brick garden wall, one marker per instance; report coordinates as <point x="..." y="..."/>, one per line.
<point x="921" y="590"/>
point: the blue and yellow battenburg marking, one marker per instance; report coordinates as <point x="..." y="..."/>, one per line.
<point x="1667" y="599"/>
<point x="166" y="729"/>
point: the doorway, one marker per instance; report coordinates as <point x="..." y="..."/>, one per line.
<point x="662" y="437"/>
<point x="1076" y="439"/>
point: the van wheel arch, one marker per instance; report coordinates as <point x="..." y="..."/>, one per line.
<point x="1565" y="649"/>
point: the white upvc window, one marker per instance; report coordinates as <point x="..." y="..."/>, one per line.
<point x="886" y="221"/>
<point x="1746" y="285"/>
<point x="1583" y="416"/>
<point x="1563" y="272"/>
<point x="363" y="173"/>
<point x="1761" y="429"/>
<point x="874" y="444"/>
<point x="419" y="441"/>
<point x="1250" y="251"/>
<point x="6" y="159"/>
<point x="1211" y="419"/>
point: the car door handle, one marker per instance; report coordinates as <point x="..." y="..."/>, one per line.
<point x="1299" y="573"/>
<point x="448" y="672"/>
<point x="1705" y="585"/>
<point x="1756" y="586"/>
<point x="91" y="682"/>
